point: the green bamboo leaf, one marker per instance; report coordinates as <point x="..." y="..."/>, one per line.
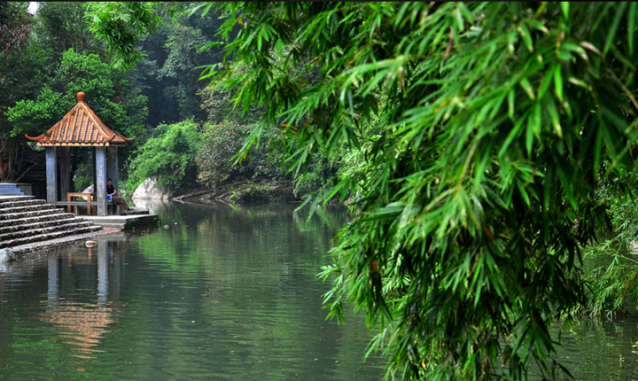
<point x="528" y="88"/>
<point x="512" y="135"/>
<point x="537" y="25"/>
<point x="549" y="74"/>
<point x="558" y="82"/>
<point x="565" y="7"/>
<point x="529" y="136"/>
<point x="578" y="82"/>
<point x="527" y="37"/>
<point x="523" y="193"/>
<point x="537" y="119"/>
<point x="510" y="104"/>
<point x="466" y="13"/>
<point x="611" y="34"/>
<point x="555" y="119"/>
<point x="459" y="20"/>
<point x="631" y="26"/>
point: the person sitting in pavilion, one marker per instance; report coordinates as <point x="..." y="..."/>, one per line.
<point x="119" y="201"/>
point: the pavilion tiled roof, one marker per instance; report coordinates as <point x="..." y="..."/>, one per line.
<point x="80" y="127"/>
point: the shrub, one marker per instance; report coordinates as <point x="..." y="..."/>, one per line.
<point x="169" y="157"/>
<point x="220" y="143"/>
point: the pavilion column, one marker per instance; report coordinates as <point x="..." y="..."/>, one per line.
<point x="100" y="186"/>
<point x="94" y="173"/>
<point x="112" y="168"/>
<point x="51" y="176"/>
<point x="65" y="171"/>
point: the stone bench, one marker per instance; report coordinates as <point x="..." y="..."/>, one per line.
<point x="89" y="204"/>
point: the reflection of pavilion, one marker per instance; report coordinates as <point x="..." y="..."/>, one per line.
<point x="84" y="323"/>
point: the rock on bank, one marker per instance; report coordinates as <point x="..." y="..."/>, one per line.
<point x="150" y="190"/>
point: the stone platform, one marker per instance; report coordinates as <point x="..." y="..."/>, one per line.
<point x="126" y="222"/>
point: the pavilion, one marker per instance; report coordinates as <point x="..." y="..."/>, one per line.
<point x="81" y="127"/>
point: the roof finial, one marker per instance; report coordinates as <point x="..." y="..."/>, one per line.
<point x="81" y="97"/>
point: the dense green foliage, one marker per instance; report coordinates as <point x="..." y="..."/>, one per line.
<point x="108" y="91"/>
<point x="497" y="120"/>
<point x="169" y="74"/>
<point x="477" y="193"/>
<point x="50" y="57"/>
<point x="20" y="72"/>
<point x="169" y="156"/>
<point x="58" y="60"/>
<point x="130" y="18"/>
<point x="15" y="25"/>
<point x="613" y="280"/>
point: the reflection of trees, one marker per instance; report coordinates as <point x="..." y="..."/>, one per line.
<point x="591" y="347"/>
<point x="259" y="264"/>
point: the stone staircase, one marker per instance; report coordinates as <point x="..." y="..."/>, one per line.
<point x="26" y="220"/>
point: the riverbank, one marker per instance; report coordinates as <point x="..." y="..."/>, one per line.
<point x="260" y="190"/>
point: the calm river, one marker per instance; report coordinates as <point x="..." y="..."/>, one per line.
<point x="222" y="294"/>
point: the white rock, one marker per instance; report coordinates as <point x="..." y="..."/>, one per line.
<point x="153" y="206"/>
<point x="150" y="190"/>
<point x="6" y="267"/>
<point x="6" y="255"/>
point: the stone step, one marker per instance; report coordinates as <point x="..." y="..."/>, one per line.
<point x="5" y="199"/>
<point x="47" y="230"/>
<point x="27" y="220"/>
<point x="38" y="225"/>
<point x="45" y="237"/>
<point x="35" y="213"/>
<point x="13" y="204"/>
<point x="26" y="208"/>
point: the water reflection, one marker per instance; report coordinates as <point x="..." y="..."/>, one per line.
<point x="84" y="324"/>
<point x="222" y="294"/>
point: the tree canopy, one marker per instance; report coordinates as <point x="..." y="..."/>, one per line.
<point x="45" y="59"/>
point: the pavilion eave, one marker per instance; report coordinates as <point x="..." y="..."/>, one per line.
<point x="111" y="144"/>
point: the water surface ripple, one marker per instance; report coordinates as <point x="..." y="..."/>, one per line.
<point x="223" y="293"/>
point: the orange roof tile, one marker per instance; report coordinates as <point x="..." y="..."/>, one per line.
<point x="80" y="127"/>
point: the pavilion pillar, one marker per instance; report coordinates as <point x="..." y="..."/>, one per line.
<point x="112" y="168"/>
<point x="65" y="171"/>
<point x="94" y="173"/>
<point x="100" y="186"/>
<point x="51" y="176"/>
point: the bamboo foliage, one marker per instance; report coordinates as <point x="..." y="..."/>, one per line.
<point x="496" y="119"/>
